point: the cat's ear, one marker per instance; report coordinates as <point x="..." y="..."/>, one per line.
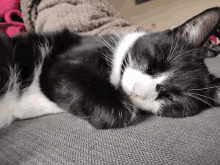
<point x="197" y="30"/>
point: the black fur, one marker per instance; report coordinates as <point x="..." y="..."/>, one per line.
<point x="74" y="75"/>
<point x="77" y="80"/>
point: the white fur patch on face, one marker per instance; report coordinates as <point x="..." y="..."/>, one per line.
<point x="123" y="47"/>
<point x="142" y="89"/>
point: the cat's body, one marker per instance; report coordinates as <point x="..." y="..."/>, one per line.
<point x="107" y="79"/>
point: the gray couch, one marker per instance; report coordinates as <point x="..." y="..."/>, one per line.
<point x="66" y="139"/>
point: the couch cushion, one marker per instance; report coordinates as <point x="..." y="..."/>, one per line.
<point x="66" y="139"/>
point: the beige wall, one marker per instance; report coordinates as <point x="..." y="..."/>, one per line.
<point x="164" y="13"/>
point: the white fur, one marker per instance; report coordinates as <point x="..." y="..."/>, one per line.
<point x="142" y="89"/>
<point x="8" y="101"/>
<point x="6" y="109"/>
<point x="31" y="103"/>
<point x="122" y="48"/>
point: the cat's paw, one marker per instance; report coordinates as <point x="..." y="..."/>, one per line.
<point x="114" y="112"/>
<point x="113" y="116"/>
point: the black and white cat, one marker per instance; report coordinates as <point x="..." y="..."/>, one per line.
<point x="107" y="79"/>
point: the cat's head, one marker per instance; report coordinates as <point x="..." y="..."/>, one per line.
<point x="164" y="72"/>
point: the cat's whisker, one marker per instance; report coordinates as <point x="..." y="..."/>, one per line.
<point x="171" y="55"/>
<point x="177" y="56"/>
<point x="173" y="50"/>
<point x="106" y="43"/>
<point x="205" y="88"/>
<point x="102" y="40"/>
<point x="170" y="48"/>
<point x="182" y="53"/>
<point x="206" y="97"/>
<point x="112" y="38"/>
<point x="186" y="103"/>
<point x="120" y="37"/>
<point x="106" y="57"/>
<point x="126" y="106"/>
<point x="198" y="98"/>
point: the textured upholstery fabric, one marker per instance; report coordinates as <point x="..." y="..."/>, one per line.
<point x="66" y="139"/>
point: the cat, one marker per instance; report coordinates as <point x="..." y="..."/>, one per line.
<point x="108" y="80"/>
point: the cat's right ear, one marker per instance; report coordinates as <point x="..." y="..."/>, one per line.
<point x="197" y="30"/>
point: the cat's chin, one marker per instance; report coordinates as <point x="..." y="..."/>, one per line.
<point x="149" y="105"/>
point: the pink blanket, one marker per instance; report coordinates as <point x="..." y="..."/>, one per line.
<point x="11" y="21"/>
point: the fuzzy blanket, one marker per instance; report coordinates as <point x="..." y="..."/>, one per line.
<point x="90" y="17"/>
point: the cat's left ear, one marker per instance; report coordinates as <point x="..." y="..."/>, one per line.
<point x="197" y="30"/>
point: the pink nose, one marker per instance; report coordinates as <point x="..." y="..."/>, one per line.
<point x="138" y="91"/>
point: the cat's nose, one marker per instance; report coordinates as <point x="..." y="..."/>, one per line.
<point x="139" y="91"/>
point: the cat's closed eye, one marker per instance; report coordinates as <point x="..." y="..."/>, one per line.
<point x="164" y="95"/>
